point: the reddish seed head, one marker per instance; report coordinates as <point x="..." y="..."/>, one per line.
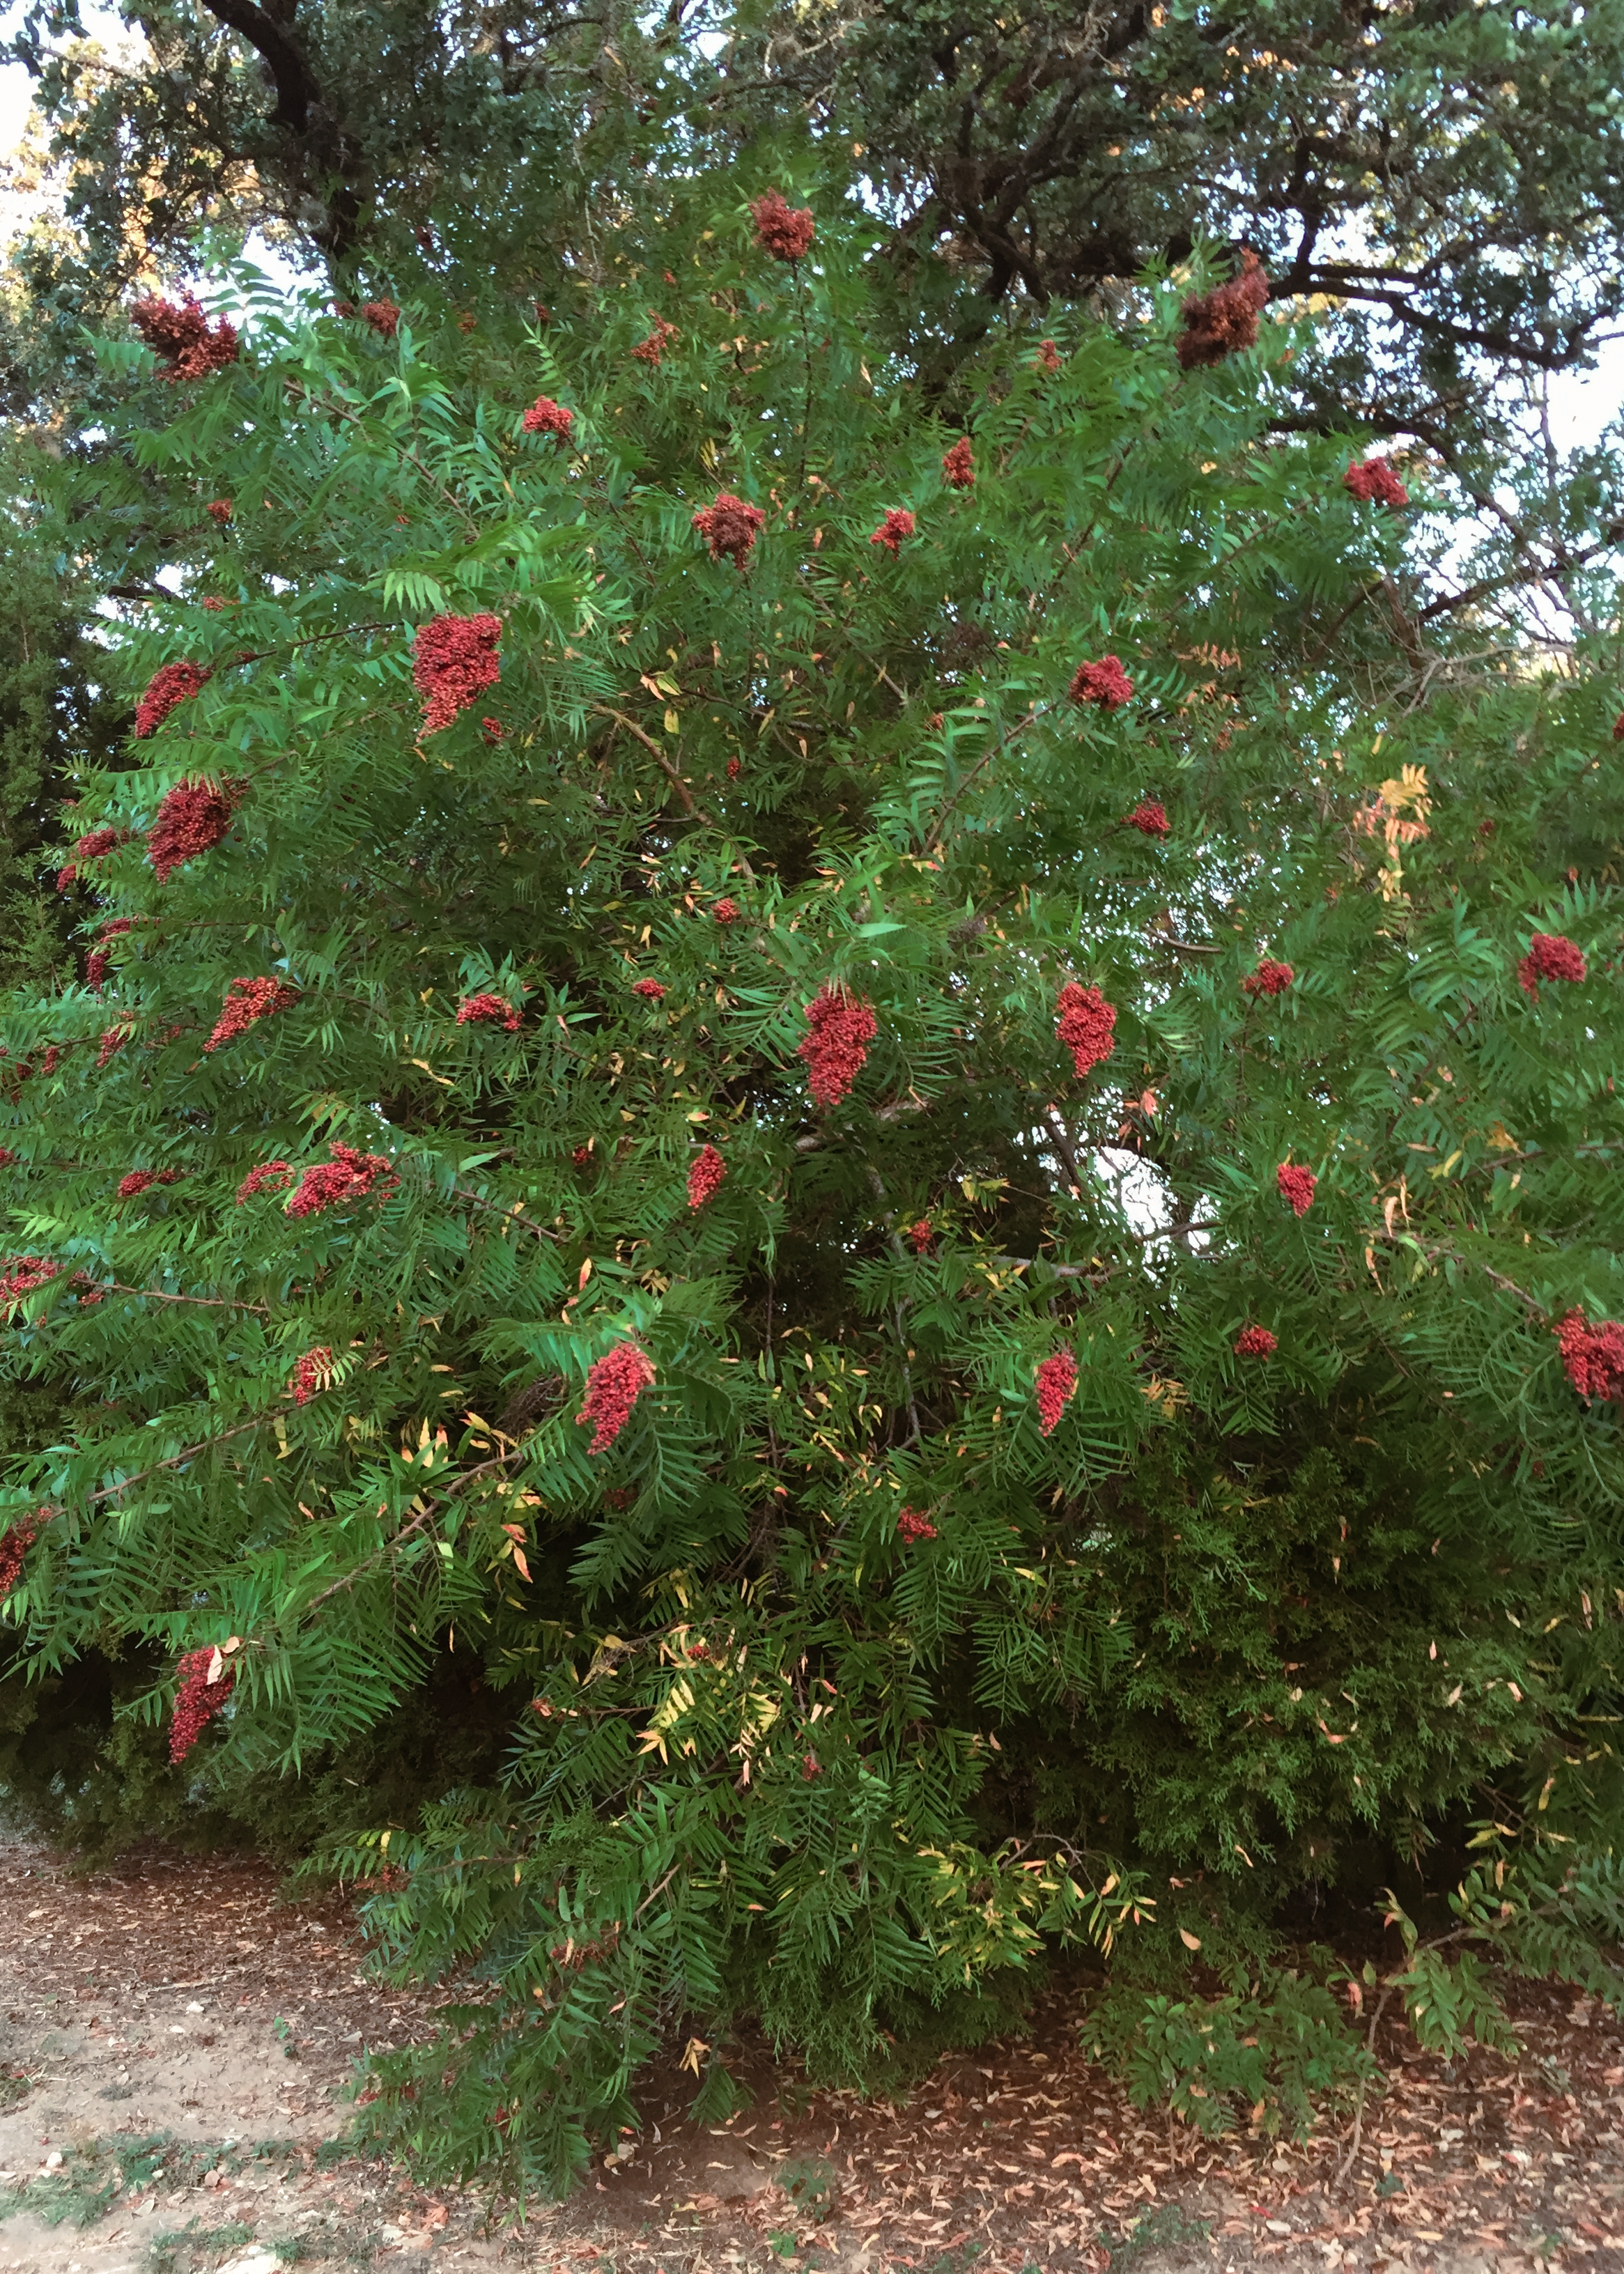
<point x="1057" y="1381"/>
<point x="177" y="332"/>
<point x="8" y="1159"/>
<point x="782" y="230"/>
<point x="311" y="1374"/>
<point x="1549" y="956"/>
<point x="735" y="767"/>
<point x="921" y="1234"/>
<point x="1375" y="482"/>
<point x="706" y="1176"/>
<point x="653" y="347"/>
<point x="383" y="316"/>
<point x="247" y="1000"/>
<point x="1255" y="1342"/>
<point x="546" y="417"/>
<point x="725" y="911"/>
<point x="1048" y="357"/>
<point x="1084" y="1024"/>
<point x="650" y="989"/>
<point x="491" y="1011"/>
<point x="15" y="1543"/>
<point x="270" y="1176"/>
<point x="1618" y="727"/>
<point x="1104" y="682"/>
<point x="1149" y="818"/>
<point x="581" y="1155"/>
<point x="1269" y="979"/>
<point x="729" y="527"/>
<point x="21" y="1275"/>
<point x="197" y="1700"/>
<point x="139" y="1180"/>
<point x="912" y="1525"/>
<point x="491" y="730"/>
<point x="959" y="465"/>
<point x="1295" y="1185"/>
<point x="192" y="818"/>
<point x="349" y="1176"/>
<point x="836" y="1050"/>
<point x="1592" y="1357"/>
<point x="113" y="1040"/>
<point x="897" y="523"/>
<point x="219" y="509"/>
<point x="1221" y="322"/>
<point x="612" y="1387"/>
<point x="453" y="662"/>
<point x="169" y="686"/>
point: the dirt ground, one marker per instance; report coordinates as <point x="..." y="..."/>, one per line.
<point x="176" y="2043"/>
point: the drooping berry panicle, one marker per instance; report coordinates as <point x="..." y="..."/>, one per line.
<point x="921" y="1234"/>
<point x="1149" y="818"/>
<point x="836" y="1049"/>
<point x="311" y="1374"/>
<point x="1105" y="683"/>
<point x="246" y="1001"/>
<point x="15" y="1543"/>
<point x="1296" y="1185"/>
<point x="912" y="1525"/>
<point x="706" y="1176"/>
<point x="546" y="417"/>
<point x="21" y="1275"/>
<point x="192" y="818"/>
<point x="612" y="1387"/>
<point x="1255" y="1342"/>
<point x="1085" y="1023"/>
<point x="650" y="989"/>
<point x="219" y="509"/>
<point x="1375" y="482"/>
<point x="653" y="347"/>
<point x="729" y="527"/>
<point x="114" y="1039"/>
<point x="1048" y="357"/>
<point x="383" y="316"/>
<point x="1269" y="979"/>
<point x="1056" y="1383"/>
<point x="98" y="962"/>
<point x="178" y="334"/>
<point x="453" y="661"/>
<point x="1592" y="1357"/>
<point x="1222" y="321"/>
<point x="140" y="1180"/>
<point x="1549" y="956"/>
<point x="270" y="1177"/>
<point x="725" y="911"/>
<point x="782" y="230"/>
<point x="198" y="1698"/>
<point x="169" y="686"/>
<point x="897" y="523"/>
<point x="959" y="465"/>
<point x="349" y="1176"/>
<point x="491" y="1011"/>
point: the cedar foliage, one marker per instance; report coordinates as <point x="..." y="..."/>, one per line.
<point x="1234" y="1634"/>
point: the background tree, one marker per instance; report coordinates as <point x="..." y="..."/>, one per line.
<point x="856" y="1087"/>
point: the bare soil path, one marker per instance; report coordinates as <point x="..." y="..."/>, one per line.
<point x="176" y="2043"/>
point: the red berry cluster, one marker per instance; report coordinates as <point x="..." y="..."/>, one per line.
<point x="347" y="1176"/>
<point x="921" y="1234"/>
<point x="15" y="1543"/>
<point x="912" y="1525"/>
<point x="1048" y="357"/>
<point x="729" y="527"/>
<point x="650" y="989"/>
<point x="1592" y="1357"/>
<point x="835" y="1051"/>
<point x="782" y="230"/>
<point x="1220" y="323"/>
<point x="1296" y="1185"/>
<point x="383" y="316"/>
<point x="653" y="347"/>
<point x="270" y="1176"/>
<point x="1085" y="1024"/>
<point x="8" y="1159"/>
<point x="959" y="465"/>
<point x="546" y="417"/>
<point x="1549" y="956"/>
<point x="489" y="1010"/>
<point x="247" y="1000"/>
<point x="453" y="662"/>
<point x="1375" y="481"/>
<point x="113" y="1040"/>
<point x="178" y="333"/>
<point x="1269" y="979"/>
<point x="94" y="846"/>
<point x="98" y="962"/>
<point x="21" y="1275"/>
<point x="311" y="1374"/>
<point x="725" y="911"/>
<point x="219" y="509"/>
<point x="197" y="1699"/>
<point x="704" y="1177"/>
<point x="169" y="686"/>
<point x="897" y="523"/>
<point x="1104" y="682"/>
<point x="191" y="818"/>
<point x="735" y="767"/>
<point x="139" y="1180"/>
<point x="612" y="1387"/>
<point x="1056" y="1380"/>
<point x="1255" y="1342"/>
<point x="492" y="730"/>
<point x="1149" y="818"/>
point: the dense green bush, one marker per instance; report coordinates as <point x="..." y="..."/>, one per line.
<point x="1097" y="1467"/>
